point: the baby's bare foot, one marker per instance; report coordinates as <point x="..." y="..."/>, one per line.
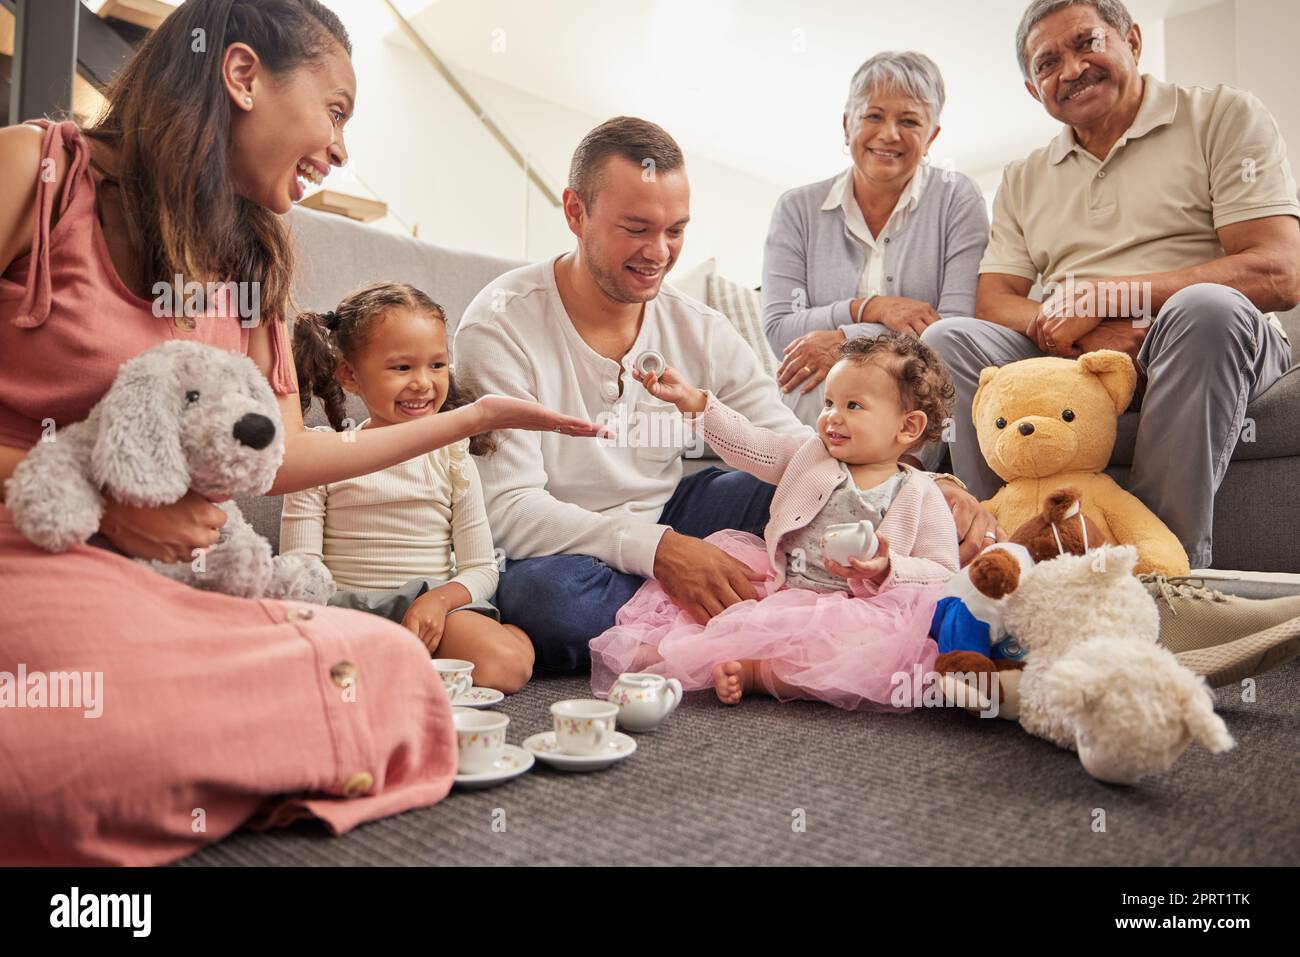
<point x="732" y="680"/>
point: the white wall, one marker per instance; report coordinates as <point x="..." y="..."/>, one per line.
<point x="416" y="145"/>
<point x="1268" y="54"/>
<point x="1250" y="44"/>
<point x="730" y="208"/>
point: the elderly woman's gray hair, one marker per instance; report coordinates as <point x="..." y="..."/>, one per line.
<point x="1112" y="11"/>
<point x="913" y="74"/>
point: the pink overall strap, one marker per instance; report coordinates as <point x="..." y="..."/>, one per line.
<point x="35" y="306"/>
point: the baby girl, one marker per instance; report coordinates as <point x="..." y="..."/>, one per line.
<point x="819" y="630"/>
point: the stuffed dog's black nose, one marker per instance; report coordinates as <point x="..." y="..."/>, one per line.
<point x="254" y="430"/>
<point x="1026" y="428"/>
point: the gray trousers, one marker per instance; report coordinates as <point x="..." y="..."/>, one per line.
<point x="1206" y="355"/>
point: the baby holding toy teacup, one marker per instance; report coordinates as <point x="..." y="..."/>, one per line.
<point x="821" y="629"/>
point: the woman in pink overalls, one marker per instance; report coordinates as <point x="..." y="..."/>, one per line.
<point x="215" y="710"/>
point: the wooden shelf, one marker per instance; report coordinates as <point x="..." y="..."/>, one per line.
<point x="345" y="204"/>
<point x="143" y="13"/>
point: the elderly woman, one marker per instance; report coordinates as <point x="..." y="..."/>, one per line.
<point x="888" y="244"/>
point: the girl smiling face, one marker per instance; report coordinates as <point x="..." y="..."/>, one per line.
<point x="403" y="369"/>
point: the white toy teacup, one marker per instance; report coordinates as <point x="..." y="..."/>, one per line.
<point x="584" y="725"/>
<point x="650" y="361"/>
<point x="840" y="543"/>
<point x="457" y="675"/>
<point x="644" y="700"/>
<point x="480" y="739"/>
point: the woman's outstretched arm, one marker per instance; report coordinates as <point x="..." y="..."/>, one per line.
<point x="317" y="458"/>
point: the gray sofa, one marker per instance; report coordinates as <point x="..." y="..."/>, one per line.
<point x="1257" y="510"/>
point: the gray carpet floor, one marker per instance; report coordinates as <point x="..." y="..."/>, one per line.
<point x="726" y="786"/>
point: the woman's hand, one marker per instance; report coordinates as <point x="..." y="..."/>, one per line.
<point x="426" y="618"/>
<point x="808" y="360"/>
<point x="671" y="387"/>
<point x="167" y="533"/>
<point x="977" y="527"/>
<point x="874" y="570"/>
<point x="505" y="412"/>
<point x="901" y="314"/>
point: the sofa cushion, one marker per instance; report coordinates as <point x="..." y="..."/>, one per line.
<point x="743" y="307"/>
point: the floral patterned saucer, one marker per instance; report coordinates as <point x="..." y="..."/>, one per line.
<point x="478" y="698"/>
<point x="513" y="762"/>
<point x="545" y="747"/>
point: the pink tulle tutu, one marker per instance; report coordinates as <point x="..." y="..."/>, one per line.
<point x="834" y="647"/>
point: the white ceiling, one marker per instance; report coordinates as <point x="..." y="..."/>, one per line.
<point x="759" y="84"/>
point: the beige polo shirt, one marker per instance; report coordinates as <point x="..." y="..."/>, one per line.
<point x="1194" y="161"/>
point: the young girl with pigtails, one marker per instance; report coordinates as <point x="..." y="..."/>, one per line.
<point x="410" y="542"/>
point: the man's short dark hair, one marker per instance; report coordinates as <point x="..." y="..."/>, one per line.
<point x="633" y="139"/>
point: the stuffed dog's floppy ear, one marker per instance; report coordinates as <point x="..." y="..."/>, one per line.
<point x="1116" y="372"/>
<point x="137" y="457"/>
<point x="986" y="376"/>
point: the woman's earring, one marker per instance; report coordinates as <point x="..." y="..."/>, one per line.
<point x="845" y="148"/>
<point x="248" y="101"/>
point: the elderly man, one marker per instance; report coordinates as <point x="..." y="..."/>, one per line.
<point x="1162" y="222"/>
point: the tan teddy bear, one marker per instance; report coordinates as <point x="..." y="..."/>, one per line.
<point x="1050" y="422"/>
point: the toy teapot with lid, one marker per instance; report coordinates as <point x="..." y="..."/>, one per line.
<point x="644" y="700"/>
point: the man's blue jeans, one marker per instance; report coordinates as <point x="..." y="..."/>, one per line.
<point x="564" y="601"/>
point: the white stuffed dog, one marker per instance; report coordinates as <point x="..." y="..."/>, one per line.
<point x="1095" y="680"/>
<point x="179" y="416"/>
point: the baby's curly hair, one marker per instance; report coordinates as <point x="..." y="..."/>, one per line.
<point x="923" y="380"/>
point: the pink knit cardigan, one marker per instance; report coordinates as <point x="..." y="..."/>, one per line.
<point x="919" y="526"/>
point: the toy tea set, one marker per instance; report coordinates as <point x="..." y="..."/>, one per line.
<point x="584" y="736"/>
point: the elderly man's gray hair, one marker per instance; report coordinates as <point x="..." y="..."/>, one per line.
<point x="912" y="74"/>
<point x="1112" y="11"/>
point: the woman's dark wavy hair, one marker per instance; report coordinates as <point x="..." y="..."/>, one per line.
<point x="923" y="379"/>
<point x="168" y="119"/>
<point x="322" y="339"/>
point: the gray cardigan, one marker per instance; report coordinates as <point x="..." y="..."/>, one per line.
<point x="811" y="263"/>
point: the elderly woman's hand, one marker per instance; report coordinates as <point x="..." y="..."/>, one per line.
<point x="808" y="359"/>
<point x="901" y="314"/>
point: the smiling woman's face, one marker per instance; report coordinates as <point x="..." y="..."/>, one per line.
<point x="292" y="133"/>
<point x="888" y="134"/>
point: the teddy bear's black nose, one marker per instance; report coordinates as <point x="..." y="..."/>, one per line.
<point x="254" y="430"/>
<point x="1026" y="428"/>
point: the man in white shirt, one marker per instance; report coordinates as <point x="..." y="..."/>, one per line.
<point x="583" y="525"/>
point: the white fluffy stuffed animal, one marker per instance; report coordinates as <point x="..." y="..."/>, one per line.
<point x="1095" y="681"/>
<point x="179" y="416"/>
